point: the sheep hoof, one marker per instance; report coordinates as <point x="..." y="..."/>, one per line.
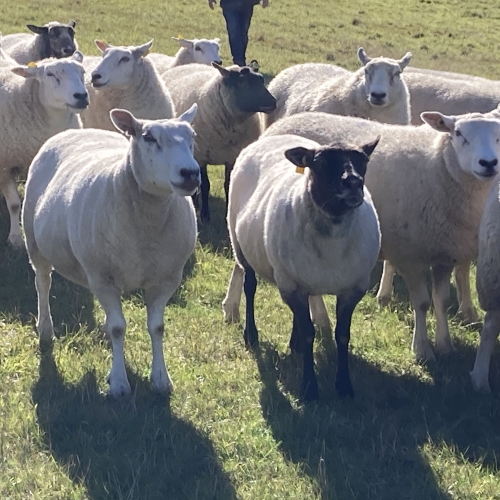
<point x="384" y="300"/>
<point x="251" y="338"/>
<point x="118" y="389"/>
<point x="344" y="387"/>
<point x="309" y="391"/>
<point x="231" y="313"/>
<point x="16" y="240"/>
<point x="468" y="316"/>
<point x="480" y="383"/>
<point x="424" y="354"/>
<point x="444" y="348"/>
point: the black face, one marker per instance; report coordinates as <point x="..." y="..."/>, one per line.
<point x="59" y="39"/>
<point x="337" y="175"/>
<point x="250" y="93"/>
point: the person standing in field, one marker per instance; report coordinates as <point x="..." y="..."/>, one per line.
<point x="238" y="15"/>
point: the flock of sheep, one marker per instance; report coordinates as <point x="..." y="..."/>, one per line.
<point x="330" y="170"/>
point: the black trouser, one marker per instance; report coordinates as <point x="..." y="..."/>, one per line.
<point x="238" y="18"/>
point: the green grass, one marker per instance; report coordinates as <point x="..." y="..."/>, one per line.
<point x="233" y="427"/>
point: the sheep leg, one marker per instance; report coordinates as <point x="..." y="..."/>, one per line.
<point x="231" y="302"/>
<point x="489" y="334"/>
<point x="114" y="325"/>
<point x="250" y="334"/>
<point x="319" y="314"/>
<point x="205" y="191"/>
<point x="420" y="301"/>
<point x="156" y="299"/>
<point x="228" y="168"/>
<point x="441" y="298"/>
<point x="9" y="190"/>
<point x="44" y="325"/>
<point x="466" y="310"/>
<point x="346" y="304"/>
<point x="299" y="304"/>
<point x="385" y="289"/>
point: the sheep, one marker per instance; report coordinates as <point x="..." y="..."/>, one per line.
<point x="429" y="185"/>
<point x="110" y="214"/>
<point x="309" y="234"/>
<point x="52" y="40"/>
<point x="447" y="74"/>
<point x="201" y="51"/>
<point x="488" y="287"/>
<point x="229" y="100"/>
<point x="376" y="91"/>
<point x="5" y="60"/>
<point x="45" y="101"/>
<point x="125" y="78"/>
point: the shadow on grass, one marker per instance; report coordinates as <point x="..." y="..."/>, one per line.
<point x="130" y="448"/>
<point x="371" y="447"/>
<point x="214" y="235"/>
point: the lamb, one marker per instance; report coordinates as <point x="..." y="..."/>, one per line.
<point x="111" y="214"/>
<point x="376" y="91"/>
<point x="125" y="78"/>
<point x="36" y="102"/>
<point x="429" y="185"/>
<point x="201" y="51"/>
<point x="290" y="228"/>
<point x="488" y="287"/>
<point x="52" y="40"/>
<point x="229" y="100"/>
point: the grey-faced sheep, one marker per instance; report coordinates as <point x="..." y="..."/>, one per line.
<point x="35" y="104"/>
<point x="488" y="287"/>
<point x="52" y="40"/>
<point x="198" y="51"/>
<point x="376" y="91"/>
<point x="126" y="79"/>
<point x="310" y="234"/>
<point x="229" y="100"/>
<point x="111" y="214"/>
<point x="429" y="185"/>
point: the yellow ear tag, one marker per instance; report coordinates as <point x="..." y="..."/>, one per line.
<point x="32" y="64"/>
<point x="299" y="170"/>
<point x="180" y="37"/>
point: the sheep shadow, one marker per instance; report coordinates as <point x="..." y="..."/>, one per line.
<point x="372" y="447"/>
<point x="130" y="448"/>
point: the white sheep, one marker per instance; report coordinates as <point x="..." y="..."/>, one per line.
<point x="5" y="59"/>
<point x="229" y="100"/>
<point x="111" y="214"/>
<point x="310" y="234"/>
<point x="199" y="51"/>
<point x="36" y="102"/>
<point x="488" y="287"/>
<point x="376" y="91"/>
<point x="52" y="40"/>
<point x="429" y="185"/>
<point x="126" y="79"/>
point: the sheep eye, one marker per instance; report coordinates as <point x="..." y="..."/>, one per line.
<point x="124" y="59"/>
<point x="458" y="133"/>
<point x="148" y="138"/>
<point x="198" y="48"/>
<point x="396" y="74"/>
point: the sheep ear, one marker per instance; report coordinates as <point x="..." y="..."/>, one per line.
<point x="223" y="71"/>
<point x="125" y="122"/>
<point x="438" y="121"/>
<point x="143" y="50"/>
<point x="188" y="116"/>
<point x="102" y="46"/>
<point x="368" y="148"/>
<point x="217" y="40"/>
<point x="300" y="157"/>
<point x="27" y="71"/>
<point x="72" y="24"/>
<point x="39" y="30"/>
<point x="362" y="56"/>
<point x="404" y="61"/>
<point x="77" y="56"/>
<point x="187" y="44"/>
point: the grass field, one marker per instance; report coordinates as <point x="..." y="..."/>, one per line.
<point x="234" y="428"/>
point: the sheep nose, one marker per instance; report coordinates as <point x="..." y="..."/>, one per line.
<point x="67" y="51"/>
<point x="188" y="174"/>
<point x="488" y="164"/>
<point x="81" y="97"/>
<point x="353" y="182"/>
<point x="378" y="95"/>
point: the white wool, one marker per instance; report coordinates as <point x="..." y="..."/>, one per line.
<point x="114" y="215"/>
